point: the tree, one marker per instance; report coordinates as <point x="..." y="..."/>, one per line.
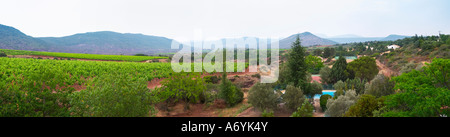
<point x="364" y="107"/>
<point x="339" y="87"/>
<point x="325" y="75"/>
<point x="314" y="64"/>
<point x="297" y="65"/>
<point x="356" y="84"/>
<point x="306" y="110"/>
<point x="262" y="96"/>
<point x="380" y="86"/>
<point x="318" y="52"/>
<point x="364" y="68"/>
<point x="315" y="89"/>
<point x="229" y="92"/>
<point x="339" y="70"/>
<point x="326" y="52"/>
<point x="423" y="93"/>
<point x="338" y="107"/>
<point x="324" y="100"/>
<point x="293" y="97"/>
<point x="332" y="53"/>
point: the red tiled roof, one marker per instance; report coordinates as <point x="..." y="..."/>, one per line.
<point x="316" y="78"/>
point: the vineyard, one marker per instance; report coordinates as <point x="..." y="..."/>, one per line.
<point x="82" y="56"/>
<point x="45" y="87"/>
<point x="36" y="87"/>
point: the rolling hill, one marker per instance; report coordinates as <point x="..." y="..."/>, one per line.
<point x="307" y="39"/>
<point x="11" y="38"/>
<point x="107" y="42"/>
<point x="104" y="42"/>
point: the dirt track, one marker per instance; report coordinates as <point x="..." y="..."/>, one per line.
<point x="384" y="69"/>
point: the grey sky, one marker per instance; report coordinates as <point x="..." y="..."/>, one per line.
<point x="227" y="18"/>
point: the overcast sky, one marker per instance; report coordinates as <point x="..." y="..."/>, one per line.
<point x="227" y="18"/>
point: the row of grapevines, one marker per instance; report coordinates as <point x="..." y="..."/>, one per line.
<point x="82" y="56"/>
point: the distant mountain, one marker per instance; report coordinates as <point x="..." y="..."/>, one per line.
<point x="107" y="42"/>
<point x="349" y="39"/>
<point x="355" y="39"/>
<point x="307" y="39"/>
<point x="11" y="38"/>
<point x="104" y="42"/>
<point x="393" y="37"/>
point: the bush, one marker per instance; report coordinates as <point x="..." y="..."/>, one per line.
<point x="338" y="107"/>
<point x="115" y="95"/>
<point x="323" y="101"/>
<point x="267" y="113"/>
<point x="3" y="54"/>
<point x="257" y="75"/>
<point x="181" y="86"/>
<point x="293" y="97"/>
<point x="212" y="79"/>
<point x="306" y="110"/>
<point x="380" y="86"/>
<point x="229" y="92"/>
<point x="262" y="96"/>
<point x="140" y="55"/>
<point x="365" y="106"/>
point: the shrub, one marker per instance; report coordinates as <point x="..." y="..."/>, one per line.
<point x="229" y="92"/>
<point x="181" y="86"/>
<point x="212" y="79"/>
<point x="323" y="101"/>
<point x="262" y="96"/>
<point x="3" y="54"/>
<point x="380" y="86"/>
<point x="115" y="95"/>
<point x="306" y="110"/>
<point x="293" y="97"/>
<point x="338" y="107"/>
<point x="257" y="75"/>
<point x="267" y="113"/>
<point x="365" y="106"/>
<point x="140" y="54"/>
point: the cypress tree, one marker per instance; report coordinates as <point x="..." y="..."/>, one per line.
<point x="297" y="65"/>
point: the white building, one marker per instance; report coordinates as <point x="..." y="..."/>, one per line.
<point x="393" y="47"/>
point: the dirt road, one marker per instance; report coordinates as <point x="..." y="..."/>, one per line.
<point x="384" y="69"/>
